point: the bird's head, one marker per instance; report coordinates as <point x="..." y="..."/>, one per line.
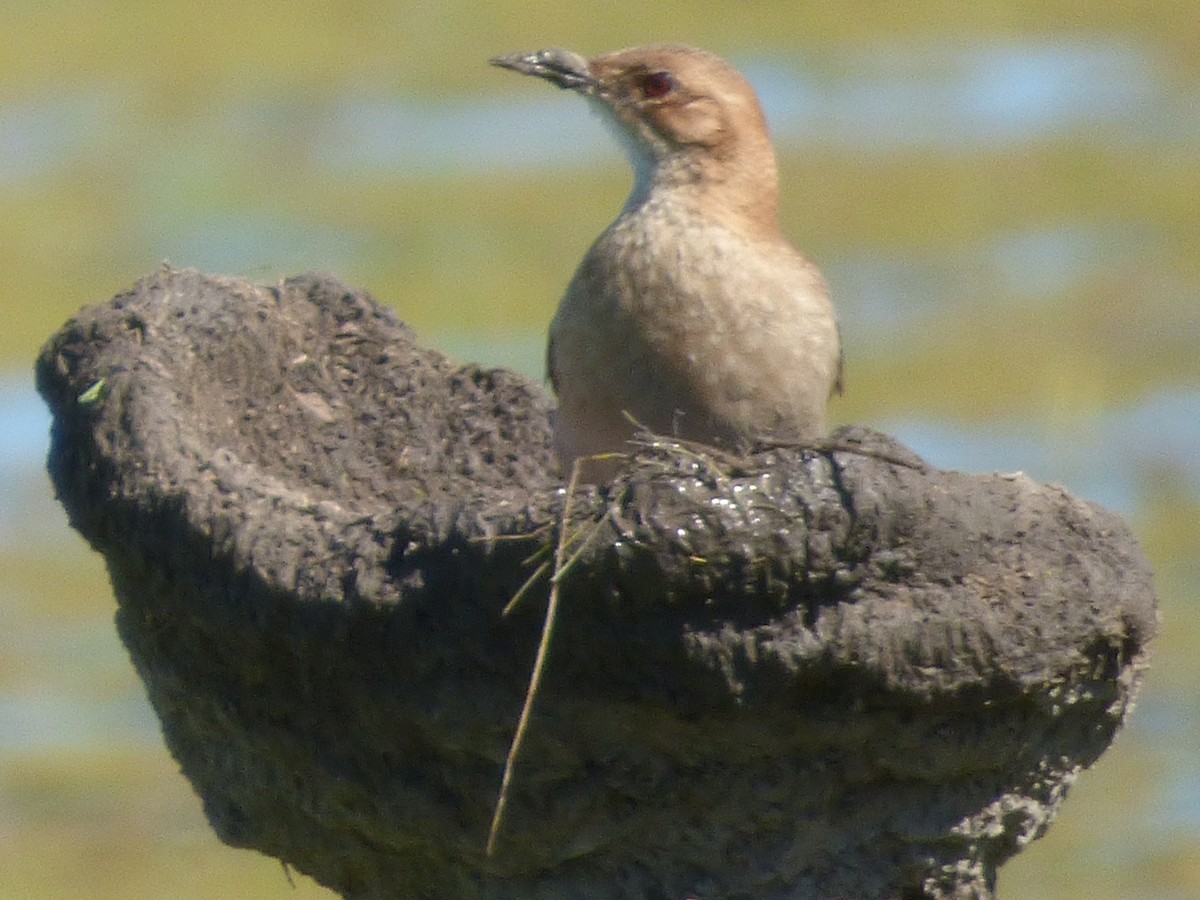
<point x="683" y="115"/>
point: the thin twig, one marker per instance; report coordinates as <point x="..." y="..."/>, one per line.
<point x="539" y="663"/>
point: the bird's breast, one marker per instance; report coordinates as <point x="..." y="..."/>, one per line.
<point x="696" y="329"/>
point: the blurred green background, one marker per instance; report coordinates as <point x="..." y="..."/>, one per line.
<point x="1005" y="197"/>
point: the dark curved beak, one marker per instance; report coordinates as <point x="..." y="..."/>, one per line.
<point x="561" y="67"/>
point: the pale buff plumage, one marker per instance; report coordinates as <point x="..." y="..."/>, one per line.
<point x="692" y="312"/>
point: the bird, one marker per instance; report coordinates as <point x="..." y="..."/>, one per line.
<point x="692" y="315"/>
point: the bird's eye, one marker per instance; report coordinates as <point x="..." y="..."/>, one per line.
<point x="657" y="84"/>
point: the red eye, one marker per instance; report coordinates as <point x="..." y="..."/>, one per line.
<point x="657" y="84"/>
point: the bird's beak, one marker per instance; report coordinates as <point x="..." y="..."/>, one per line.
<point x="561" y="67"/>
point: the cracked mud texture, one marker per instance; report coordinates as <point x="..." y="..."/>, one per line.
<point x="796" y="674"/>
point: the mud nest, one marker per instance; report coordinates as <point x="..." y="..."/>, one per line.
<point x="797" y="673"/>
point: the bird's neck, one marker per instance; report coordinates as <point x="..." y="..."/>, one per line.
<point x="742" y="194"/>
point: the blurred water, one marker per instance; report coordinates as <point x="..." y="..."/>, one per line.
<point x="1106" y="460"/>
<point x="39" y="135"/>
<point x="29" y="517"/>
<point x="49" y="718"/>
<point x="45" y="704"/>
<point x="24" y="420"/>
<point x="936" y="98"/>
<point x="942" y="98"/>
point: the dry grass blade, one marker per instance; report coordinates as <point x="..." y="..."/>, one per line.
<point x="539" y="662"/>
<point x="524" y="589"/>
